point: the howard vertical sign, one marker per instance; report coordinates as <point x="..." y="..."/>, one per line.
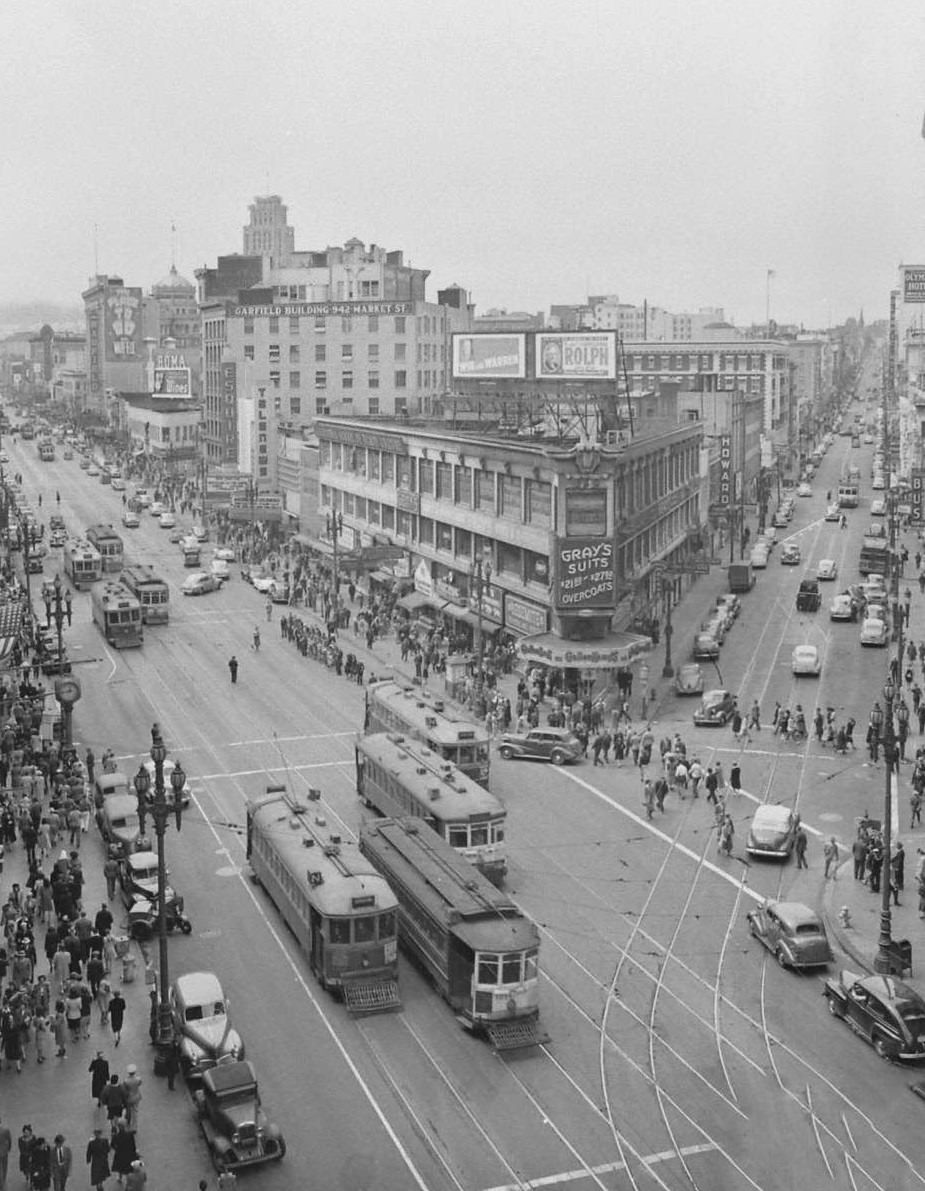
<point x="725" y="469"/>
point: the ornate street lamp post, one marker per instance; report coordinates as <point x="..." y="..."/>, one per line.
<point x="480" y="580"/>
<point x="58" y="608"/>
<point x="159" y="809"/>
<point x="882" y="721"/>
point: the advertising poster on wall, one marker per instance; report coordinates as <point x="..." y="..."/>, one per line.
<point x="172" y="382"/>
<point x="587" y="355"/>
<point x="489" y="357"/>
<point x="123" y="325"/>
<point x="585" y="574"/>
<point x="914" y="283"/>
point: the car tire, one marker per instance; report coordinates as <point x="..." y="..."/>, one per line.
<point x="781" y="957"/>
<point x="881" y="1049"/>
<point x="557" y="757"/>
<point x="752" y="928"/>
<point x="506" y="752"/>
<point x="835" y="1007"/>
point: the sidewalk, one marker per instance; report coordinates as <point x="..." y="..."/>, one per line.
<point x="54" y="1097"/>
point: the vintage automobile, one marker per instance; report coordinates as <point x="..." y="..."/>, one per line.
<point x="843" y="607"/>
<point x="716" y="707"/>
<point x="58" y="537"/>
<point x="118" y="484"/>
<point x="878" y="507"/>
<point x="168" y="520"/>
<point x="156" y="508"/>
<point x="200" y="533"/>
<point x="168" y="769"/>
<point x="781" y="520"/>
<point x="120" y="827"/>
<point x="138" y="877"/>
<point x="806" y="659"/>
<point x="199" y="583"/>
<point x="279" y="592"/>
<point x="881" y="1009"/>
<point x="730" y="601"/>
<point x="105" y="785"/>
<point x="833" y="512"/>
<point x="759" y="557"/>
<point x="143" y="916"/>
<point x="224" y="552"/>
<point x="706" y="647"/>
<point x="557" y="745"/>
<point x="689" y="679"/>
<point x="130" y="519"/>
<point x="808" y="597"/>
<point x="826" y="569"/>
<point x="805" y="490"/>
<point x="237" y="1130"/>
<point x="200" y="1018"/>
<point x="790" y="555"/>
<point x="874" y="632"/>
<point x="773" y="831"/>
<point x="792" y="932"/>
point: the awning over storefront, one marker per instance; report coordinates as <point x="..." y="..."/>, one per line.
<point x="382" y="576"/>
<point x="606" y="653"/>
<point x="456" y="611"/>
<point x="416" y="599"/>
<point x="489" y="625"/>
<point x="308" y="539"/>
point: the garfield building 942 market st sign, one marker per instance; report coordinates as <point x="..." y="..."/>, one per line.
<point x="585" y="575"/>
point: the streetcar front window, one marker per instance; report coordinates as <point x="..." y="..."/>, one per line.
<point x="512" y="968"/>
<point x="339" y="930"/>
<point x="387" y="925"/>
<point x="364" y="929"/>
<point x="481" y="752"/>
<point x="479" y="834"/>
<point x="488" y="969"/>
<point x="458" y="835"/>
<point x="461" y="756"/>
<point x="531" y="965"/>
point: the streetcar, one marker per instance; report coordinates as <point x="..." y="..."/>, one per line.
<point x="150" y="590"/>
<point x="46" y="450"/>
<point x="105" y="539"/>
<point x="117" y="614"/>
<point x="397" y="776"/>
<point x="332" y="898"/>
<point x="411" y="711"/>
<point x="473" y="942"/>
<point x="82" y="563"/>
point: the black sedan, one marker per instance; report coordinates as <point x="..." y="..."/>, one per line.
<point x="541" y="744"/>
<point x="881" y="1009"/>
<point x="716" y="707"/>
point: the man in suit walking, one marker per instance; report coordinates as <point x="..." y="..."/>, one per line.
<point x="60" y="1163"/>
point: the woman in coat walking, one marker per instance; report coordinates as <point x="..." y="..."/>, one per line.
<point x="60" y="1030"/>
<point x="40" y="1165"/>
<point x="123" y="1149"/>
<point x="98" y="1159"/>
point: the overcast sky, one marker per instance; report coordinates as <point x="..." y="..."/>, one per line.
<point x="669" y="150"/>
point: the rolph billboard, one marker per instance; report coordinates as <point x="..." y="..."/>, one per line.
<point x="583" y="355"/>
<point x="489" y="357"/>
<point x="585" y="574"/>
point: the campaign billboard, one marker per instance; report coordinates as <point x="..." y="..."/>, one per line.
<point x="581" y="355"/>
<point x="489" y="357"/>
<point x="585" y="575"/>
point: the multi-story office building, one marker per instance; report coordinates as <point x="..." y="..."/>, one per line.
<point x="562" y="544"/>
<point x="115" y="337"/>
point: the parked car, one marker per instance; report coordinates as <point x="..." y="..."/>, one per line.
<point x="881" y="1009"/>
<point x="200" y="533"/>
<point x="878" y="483"/>
<point x="168" y="520"/>
<point x="781" y="520"/>
<point x="758" y="558"/>
<point x="792" y="932"/>
<point x="92" y="469"/>
<point x="143" y="497"/>
<point x="557" y="745"/>
<point x="156" y="508"/>
<point x="84" y="464"/>
<point x="223" y="552"/>
<point x="130" y="520"/>
<point x="806" y="660"/>
<point x="878" y="507"/>
<point x="826" y="570"/>
<point x="706" y="647"/>
<point x="176" y="534"/>
<point x="237" y="1130"/>
<point x="118" y="484"/>
<point x="730" y="601"/>
<point x="138" y="878"/>
<point x="67" y="453"/>
<point x="119" y="825"/>
<point x="805" y="490"/>
<point x="107" y="784"/>
<point x="716" y="626"/>
<point x="200" y="1017"/>
<point x="843" y="607"/>
<point x="199" y="583"/>
<point x="773" y="831"/>
<point x="833" y="512"/>
<point x="689" y="679"/>
<point x="874" y="633"/>
<point x="716" y="707"/>
<point x="219" y="568"/>
<point x="790" y="555"/>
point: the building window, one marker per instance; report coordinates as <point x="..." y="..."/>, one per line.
<point x="321" y="405"/>
<point x="539" y="503"/>
<point x="400" y="351"/>
<point x="401" y="407"/>
<point x="426" y="477"/>
<point x="399" y="324"/>
<point x="294" y="321"/>
<point x="405" y="524"/>
<point x="248" y="351"/>
<point x="425" y="531"/>
<point x="373" y="512"/>
<point x="295" y="380"/>
<point x="374" y="464"/>
<point x="463" y="544"/>
<point x="346" y="380"/>
<point x="359" y="508"/>
<point x="373" y="351"/>
<point x="373" y="380"/>
<point x="401" y="382"/>
<point x="274" y="377"/>
<point x="321" y="380"/>
<point x="373" y="324"/>
<point x="388" y="467"/>
<point x="444" y="481"/>
<point x="388" y="517"/>
<point x="248" y="326"/>
<point x="511" y="489"/>
<point x="274" y="325"/>
<point x="273" y="352"/>
<point x="294" y="357"/>
<point x="444" y="537"/>
<point x="373" y="410"/>
<point x="369" y="289"/>
<point x="464" y="486"/>
<point x="346" y="351"/>
<point x="321" y="324"/>
<point x="295" y="406"/>
<point x="320" y="353"/>
<point x="346" y="325"/>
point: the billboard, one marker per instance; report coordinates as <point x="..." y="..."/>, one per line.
<point x="914" y="283"/>
<point x="583" y="355"/>
<point x="172" y="382"/>
<point x="585" y="574"/>
<point x="489" y="357"/>
<point x="123" y="325"/>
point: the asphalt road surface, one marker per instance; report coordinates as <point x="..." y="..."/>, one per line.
<point x="679" y="1054"/>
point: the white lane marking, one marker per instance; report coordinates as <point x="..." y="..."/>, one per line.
<point x="289" y="739"/>
<point x="571" y="1176"/>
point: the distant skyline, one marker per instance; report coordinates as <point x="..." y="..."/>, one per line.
<point x="672" y="152"/>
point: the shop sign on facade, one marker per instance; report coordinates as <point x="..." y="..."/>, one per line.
<point x="423" y="580"/>
<point x="725" y="469"/>
<point x="585" y="573"/>
<point x="447" y="589"/>
<point x="491" y="602"/>
<point x="523" y="617"/>
<point x="408" y="502"/>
